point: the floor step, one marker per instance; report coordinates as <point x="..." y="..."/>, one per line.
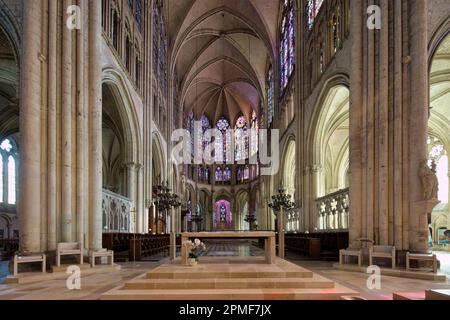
<point x="229" y="275"/>
<point x="245" y="283"/>
<point x="230" y="294"/>
<point x="402" y="296"/>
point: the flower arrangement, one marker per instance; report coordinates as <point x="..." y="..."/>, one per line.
<point x="195" y="248"/>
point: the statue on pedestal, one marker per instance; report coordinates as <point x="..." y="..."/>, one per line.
<point x="429" y="180"/>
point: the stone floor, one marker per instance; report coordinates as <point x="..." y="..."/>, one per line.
<point x="358" y="281"/>
<point x="95" y="285"/>
<point x="233" y="278"/>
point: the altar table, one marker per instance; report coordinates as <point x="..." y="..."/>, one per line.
<point x="269" y="240"/>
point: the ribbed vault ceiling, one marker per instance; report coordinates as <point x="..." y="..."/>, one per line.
<point x="221" y="50"/>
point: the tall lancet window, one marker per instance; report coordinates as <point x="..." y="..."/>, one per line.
<point x="270" y="98"/>
<point x="115" y="29"/>
<point x="254" y="135"/>
<point x="223" y="142"/>
<point x="138" y="14"/>
<point x="8" y="172"/>
<point x="241" y="139"/>
<point x="155" y="36"/>
<point x="312" y="10"/>
<point x="287" y="45"/>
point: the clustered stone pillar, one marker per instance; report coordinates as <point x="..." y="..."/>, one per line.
<point x="388" y="124"/>
<point x="60" y="187"/>
<point x="418" y="129"/>
<point x="30" y="128"/>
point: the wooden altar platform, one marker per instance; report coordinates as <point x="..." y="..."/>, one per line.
<point x="269" y="240"/>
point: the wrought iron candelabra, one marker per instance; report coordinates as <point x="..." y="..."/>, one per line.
<point x="165" y="199"/>
<point x="281" y="201"/>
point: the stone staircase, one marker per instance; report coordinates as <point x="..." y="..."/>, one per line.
<point x="230" y="281"/>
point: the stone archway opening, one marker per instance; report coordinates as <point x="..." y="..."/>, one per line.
<point x="9" y="139"/>
<point x="330" y="167"/>
<point x="119" y="168"/>
<point x="439" y="148"/>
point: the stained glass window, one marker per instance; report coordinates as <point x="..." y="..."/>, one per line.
<point x="156" y="32"/>
<point x="270" y="98"/>
<point x="241" y="139"/>
<point x="138" y="13"/>
<point x="287" y="45"/>
<point x="190" y="125"/>
<point x="219" y="175"/>
<point x="162" y="55"/>
<point x="336" y="29"/>
<point x="240" y="175"/>
<point x="312" y="10"/>
<point x="254" y="134"/>
<point x="223" y="143"/>
<point x="227" y="174"/>
<point x="205" y="126"/>
<point x="247" y="173"/>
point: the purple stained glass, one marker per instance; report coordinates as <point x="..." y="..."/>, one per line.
<point x="219" y="175"/>
<point x="222" y="214"/>
<point x="241" y="139"/>
<point x="223" y="143"/>
<point x="312" y="10"/>
<point x="287" y="45"/>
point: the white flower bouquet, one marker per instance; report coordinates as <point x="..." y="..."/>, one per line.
<point x="195" y="248"/>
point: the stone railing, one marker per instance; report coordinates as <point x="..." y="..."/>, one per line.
<point x="294" y="221"/>
<point x="116" y="213"/>
<point x="333" y="211"/>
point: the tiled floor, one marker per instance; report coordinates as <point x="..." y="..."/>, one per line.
<point x="94" y="285"/>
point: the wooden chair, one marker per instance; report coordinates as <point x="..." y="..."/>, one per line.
<point x="68" y="249"/>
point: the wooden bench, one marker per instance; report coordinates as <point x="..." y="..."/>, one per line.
<point x="68" y="249"/>
<point x="421" y="257"/>
<point x="384" y="252"/>
<point x="102" y="254"/>
<point x="350" y="253"/>
<point x="29" y="259"/>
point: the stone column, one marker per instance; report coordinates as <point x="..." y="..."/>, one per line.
<point x="418" y="127"/>
<point x="131" y="182"/>
<point x="173" y="235"/>
<point x="95" y="125"/>
<point x="315" y="174"/>
<point x="30" y="129"/>
<point x="66" y="132"/>
<point x="356" y="106"/>
<point x="281" y="232"/>
<point x="81" y="131"/>
<point x="140" y="200"/>
<point x="51" y="126"/>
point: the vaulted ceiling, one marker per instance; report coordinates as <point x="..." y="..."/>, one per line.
<point x="9" y="80"/>
<point x="221" y="50"/>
